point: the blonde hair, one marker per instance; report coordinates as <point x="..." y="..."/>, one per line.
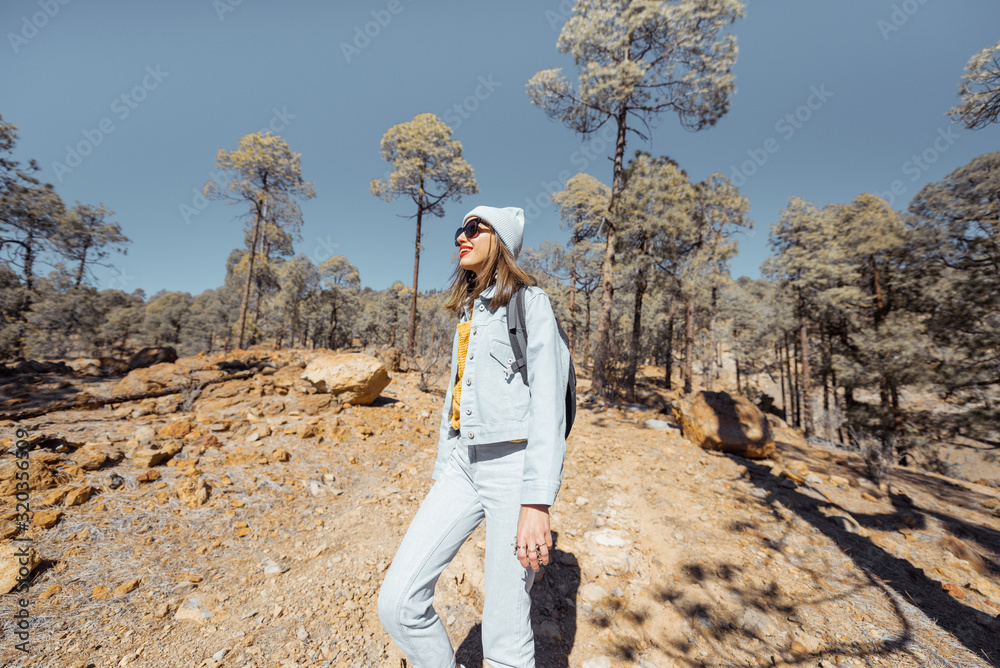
<point x="501" y="269"/>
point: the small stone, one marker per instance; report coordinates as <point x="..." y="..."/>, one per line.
<point x="221" y="654"/>
<point x="549" y="629"/>
<point x="279" y="455"/>
<point x="582" y="501"/>
<point x="51" y="591"/>
<point x="986" y="588"/>
<point x="658" y="424"/>
<point x="101" y="593"/>
<point x="868" y="497"/>
<point x="591" y="593"/>
<point x="162" y="610"/>
<point x="176" y="430"/>
<point x="193" y="491"/>
<point x="149" y="457"/>
<point x="955" y="591"/>
<point x="598" y="662"/>
<point x="149" y="475"/>
<point x="79" y="495"/>
<point x="272" y="567"/>
<point x="127" y="587"/>
<point x="46" y="519"/>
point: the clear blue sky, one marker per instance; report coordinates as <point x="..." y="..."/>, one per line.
<point x="198" y="75"/>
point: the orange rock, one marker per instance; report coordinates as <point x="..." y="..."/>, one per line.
<point x="955" y="591"/>
<point x="720" y="421"/>
<point x="176" y="430"/>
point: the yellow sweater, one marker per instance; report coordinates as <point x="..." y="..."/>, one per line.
<point x="463" y="348"/>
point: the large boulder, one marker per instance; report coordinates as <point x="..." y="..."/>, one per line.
<point x="184" y="371"/>
<point x="354" y="378"/>
<point x="720" y="421"/>
<point x="147" y="357"/>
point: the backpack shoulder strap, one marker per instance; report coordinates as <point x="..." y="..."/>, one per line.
<point x="518" y="333"/>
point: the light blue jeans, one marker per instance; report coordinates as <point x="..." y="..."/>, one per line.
<point x="478" y="482"/>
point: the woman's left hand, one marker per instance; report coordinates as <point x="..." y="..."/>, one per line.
<point x="534" y="539"/>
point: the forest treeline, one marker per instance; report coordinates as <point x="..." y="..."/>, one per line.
<point x="862" y="314"/>
<point x="858" y="302"/>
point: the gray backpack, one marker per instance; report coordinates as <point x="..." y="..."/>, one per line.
<point x="519" y="342"/>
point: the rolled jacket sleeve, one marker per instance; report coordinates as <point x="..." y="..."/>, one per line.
<point x="548" y="368"/>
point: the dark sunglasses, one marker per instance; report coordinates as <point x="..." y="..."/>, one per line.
<point x="471" y="229"/>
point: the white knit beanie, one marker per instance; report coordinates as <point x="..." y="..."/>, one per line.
<point x="508" y="223"/>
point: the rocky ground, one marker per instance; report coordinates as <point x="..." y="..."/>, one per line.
<point x="263" y="539"/>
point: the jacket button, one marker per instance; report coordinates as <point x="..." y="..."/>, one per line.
<point x="468" y="381"/>
<point x="510" y="360"/>
<point x="471" y="435"/>
<point x="482" y="308"/>
<point x="468" y="411"/>
<point x="474" y="330"/>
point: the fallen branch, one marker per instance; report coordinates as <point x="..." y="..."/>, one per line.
<point x="96" y="402"/>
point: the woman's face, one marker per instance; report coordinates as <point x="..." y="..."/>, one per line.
<point x="474" y="253"/>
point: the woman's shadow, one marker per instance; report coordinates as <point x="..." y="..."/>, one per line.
<point x="553" y="614"/>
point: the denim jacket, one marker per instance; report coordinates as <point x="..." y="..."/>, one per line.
<point x="496" y="405"/>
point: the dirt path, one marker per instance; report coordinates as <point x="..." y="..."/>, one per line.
<point x="666" y="555"/>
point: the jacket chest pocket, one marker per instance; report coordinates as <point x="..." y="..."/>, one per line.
<point x="503" y="355"/>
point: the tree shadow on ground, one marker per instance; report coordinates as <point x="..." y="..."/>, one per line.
<point x="967" y="625"/>
<point x="553" y="615"/>
<point x="746" y="623"/>
<point x="30" y="391"/>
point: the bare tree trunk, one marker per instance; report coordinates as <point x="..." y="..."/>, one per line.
<point x="781" y="375"/>
<point x="688" y="370"/>
<point x="83" y="266"/>
<point x="571" y="334"/>
<point x="793" y="398"/>
<point x="633" y="354"/>
<point x="798" y="381"/>
<point x="603" y="358"/>
<point x="246" y="284"/>
<point x="411" y="340"/>
<point x="668" y="371"/>
<point x="333" y="324"/>
<point x="806" y="380"/>
<point x="586" y="339"/>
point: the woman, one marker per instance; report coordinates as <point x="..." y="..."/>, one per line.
<point x="500" y="456"/>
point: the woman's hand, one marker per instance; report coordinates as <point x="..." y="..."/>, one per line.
<point x="532" y="531"/>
